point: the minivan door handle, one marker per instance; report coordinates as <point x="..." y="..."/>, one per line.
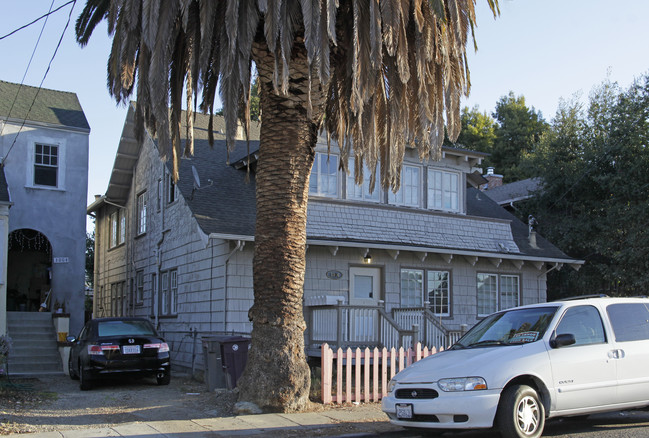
<point x="616" y="354"/>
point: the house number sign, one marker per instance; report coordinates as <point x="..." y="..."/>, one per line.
<point x="334" y="275"/>
<point x="61" y="260"/>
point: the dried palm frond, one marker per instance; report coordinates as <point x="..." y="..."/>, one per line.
<point x="391" y="72"/>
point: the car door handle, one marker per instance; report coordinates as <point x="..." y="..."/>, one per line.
<point x="616" y="354"/>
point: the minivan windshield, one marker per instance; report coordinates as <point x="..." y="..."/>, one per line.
<point x="511" y="327"/>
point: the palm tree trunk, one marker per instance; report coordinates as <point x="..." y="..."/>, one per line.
<point x="277" y="377"/>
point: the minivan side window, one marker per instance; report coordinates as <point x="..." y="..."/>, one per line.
<point x="585" y="323"/>
<point x="630" y="321"/>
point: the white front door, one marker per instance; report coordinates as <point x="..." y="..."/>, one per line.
<point x="364" y="290"/>
<point x="365" y="286"/>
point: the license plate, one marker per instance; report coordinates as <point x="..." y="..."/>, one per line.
<point x="404" y="411"/>
<point x="131" y="349"/>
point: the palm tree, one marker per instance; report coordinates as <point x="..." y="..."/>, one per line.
<point x="376" y="74"/>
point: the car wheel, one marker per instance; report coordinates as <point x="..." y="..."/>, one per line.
<point x="71" y="371"/>
<point x="84" y="382"/>
<point x="520" y="413"/>
<point x="165" y="379"/>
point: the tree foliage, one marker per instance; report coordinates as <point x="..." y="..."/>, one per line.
<point x="518" y="132"/>
<point x="593" y="201"/>
<point x="478" y="130"/>
<point x="90" y="259"/>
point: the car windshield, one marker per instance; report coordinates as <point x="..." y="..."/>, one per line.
<point x="511" y="327"/>
<point x="124" y="328"/>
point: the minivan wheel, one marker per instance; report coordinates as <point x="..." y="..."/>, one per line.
<point x="520" y="413"/>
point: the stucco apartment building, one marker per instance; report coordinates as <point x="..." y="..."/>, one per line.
<point x="44" y="141"/>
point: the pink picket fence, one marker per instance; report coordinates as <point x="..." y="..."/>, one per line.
<point x="362" y="375"/>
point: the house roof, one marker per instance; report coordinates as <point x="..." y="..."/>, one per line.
<point x="50" y="107"/>
<point x="4" y="187"/>
<point x="223" y="204"/>
<point x="513" y="192"/>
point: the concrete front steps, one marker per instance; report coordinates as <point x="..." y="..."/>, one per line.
<point x="35" y="351"/>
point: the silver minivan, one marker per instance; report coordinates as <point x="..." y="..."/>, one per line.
<point x="520" y="366"/>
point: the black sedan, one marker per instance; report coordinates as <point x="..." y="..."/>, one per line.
<point x="115" y="346"/>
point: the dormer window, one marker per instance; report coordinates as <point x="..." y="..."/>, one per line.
<point x="409" y="192"/>
<point x="324" y="175"/>
<point x="362" y="192"/>
<point x="443" y="190"/>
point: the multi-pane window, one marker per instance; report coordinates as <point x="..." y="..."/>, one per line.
<point x="439" y="292"/>
<point x="497" y="293"/>
<point x="324" y="175"/>
<point x="409" y="192"/>
<point x="362" y="192"/>
<point x="117" y="226"/>
<point x="169" y="292"/>
<point x="443" y="190"/>
<point x="487" y="293"/>
<point x="412" y="287"/>
<point x="509" y="291"/>
<point x="122" y="226"/>
<point x="46" y="164"/>
<point x="117" y="299"/>
<point x="114" y="227"/>
<point x="141" y="213"/>
<point x="139" y="287"/>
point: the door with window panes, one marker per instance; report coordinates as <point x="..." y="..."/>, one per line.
<point x="364" y="290"/>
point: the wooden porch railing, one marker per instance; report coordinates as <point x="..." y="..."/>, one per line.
<point x="363" y="375"/>
<point x="344" y="325"/>
<point x="433" y="331"/>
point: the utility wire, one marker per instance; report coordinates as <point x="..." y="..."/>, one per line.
<point x="22" y="81"/>
<point x="58" y="45"/>
<point x="39" y="18"/>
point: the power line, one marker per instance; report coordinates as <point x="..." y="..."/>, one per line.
<point x="58" y="45"/>
<point x="38" y="19"/>
<point x="22" y="81"/>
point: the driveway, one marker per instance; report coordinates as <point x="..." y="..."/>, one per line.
<point x="55" y="403"/>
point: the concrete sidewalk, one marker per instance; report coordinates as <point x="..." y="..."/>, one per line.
<point x="356" y="421"/>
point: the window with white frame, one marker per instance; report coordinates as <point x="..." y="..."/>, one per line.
<point x="141" y="213"/>
<point x="122" y="226"/>
<point x="362" y="192"/>
<point x="409" y="192"/>
<point x="439" y="292"/>
<point x="412" y="287"/>
<point x="139" y="287"/>
<point x="324" y="175"/>
<point x="509" y="291"/>
<point x="159" y="197"/>
<point x="46" y="165"/>
<point x="169" y="292"/>
<point x="443" y="190"/>
<point x="497" y="292"/>
<point x="113" y="224"/>
<point x="117" y="227"/>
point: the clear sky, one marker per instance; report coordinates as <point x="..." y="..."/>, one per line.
<point x="541" y="49"/>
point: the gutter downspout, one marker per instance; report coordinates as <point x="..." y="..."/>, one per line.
<point x="238" y="247"/>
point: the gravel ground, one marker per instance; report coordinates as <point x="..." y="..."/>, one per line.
<point x="56" y="403"/>
<point x="52" y="403"/>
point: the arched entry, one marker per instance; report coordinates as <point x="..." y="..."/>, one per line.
<point x="29" y="270"/>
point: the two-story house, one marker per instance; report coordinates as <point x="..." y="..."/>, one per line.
<point x="438" y="253"/>
<point x="44" y="141"/>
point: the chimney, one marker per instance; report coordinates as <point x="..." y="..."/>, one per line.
<point x="494" y="180"/>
